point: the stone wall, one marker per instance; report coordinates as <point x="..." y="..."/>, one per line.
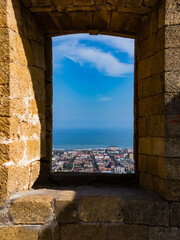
<point x="89" y="213"/>
<point x="23" y="100"/>
<point x="26" y="121"/>
<point x="157" y="57"/>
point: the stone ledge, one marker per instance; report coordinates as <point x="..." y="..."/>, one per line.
<point x="89" y="204"/>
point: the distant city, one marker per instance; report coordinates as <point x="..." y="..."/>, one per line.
<point x="109" y="160"/>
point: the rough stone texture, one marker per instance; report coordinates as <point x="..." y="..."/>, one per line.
<point x="164" y="233"/>
<point x="26" y="118"/>
<point x="106" y="209"/>
<point x="128" y="232"/>
<point x="66" y="211"/>
<point x="175" y="214"/>
<point x="22" y="97"/>
<point x="31" y="210"/>
<point x="143" y="212"/>
<point x="49" y="233"/>
<point x="18" y="233"/>
<point x="80" y="231"/>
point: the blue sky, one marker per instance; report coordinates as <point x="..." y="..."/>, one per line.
<point x="92" y="81"/>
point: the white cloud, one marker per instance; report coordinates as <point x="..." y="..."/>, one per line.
<point x="103" y="99"/>
<point x="105" y="62"/>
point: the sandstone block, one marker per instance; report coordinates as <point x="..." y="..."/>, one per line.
<point x="152" y="145"/>
<point x="20" y="50"/>
<point x="119" y="3"/>
<point x="83" y="2"/>
<point x="173" y="126"/>
<point x="175" y="214"/>
<point x="19" y="81"/>
<point x="33" y="149"/>
<point x="118" y="21"/>
<point x="153" y="85"/>
<point x="170" y="168"/>
<point x="163" y="233"/>
<point x="13" y="179"/>
<point x="38" y="53"/>
<point x="83" y="232"/>
<point x="142" y="126"/>
<point x="17" y="150"/>
<point x="49" y="233"/>
<point x="41" y="3"/>
<point x="4" y="72"/>
<point x="4" y="127"/>
<point x="172" y="147"/>
<point x="37" y="84"/>
<point x="31" y="210"/>
<point x="146" y="181"/>
<point x="101" y="20"/>
<point x="146" y="212"/>
<point x="18" y="233"/>
<point x="149" y="164"/>
<point x="144" y="68"/>
<point x="34" y="173"/>
<point x="172" y="62"/>
<point x="128" y="232"/>
<point x="131" y="3"/>
<point x="4" y="106"/>
<point x="3" y="185"/>
<point x="66" y="212"/>
<point x="172" y="82"/>
<point x="147" y="47"/>
<point x="63" y="2"/>
<point x="150" y="3"/>
<point x="172" y="16"/>
<point x="161" y="16"/>
<point x="156" y="126"/>
<point x="158" y="63"/>
<point x="99" y="209"/>
<point x="172" y="36"/>
<point x="172" y="101"/>
<point x="4" y="45"/>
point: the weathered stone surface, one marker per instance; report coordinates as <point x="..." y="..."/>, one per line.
<point x="13" y="179"/>
<point x="83" y="2"/>
<point x="99" y="209"/>
<point x="38" y="52"/>
<point x="34" y="173"/>
<point x="171" y="167"/>
<point x="4" y="127"/>
<point x="18" y="233"/>
<point x="172" y="81"/>
<point x="128" y="232"/>
<point x="31" y="210"/>
<point x="156" y="126"/>
<point x="172" y="62"/>
<point x="84" y="232"/>
<point x="152" y="145"/>
<point x="146" y="212"/>
<point x="175" y="214"/>
<point x="173" y="147"/>
<point x="49" y="233"/>
<point x="66" y="211"/>
<point x="33" y="149"/>
<point x="163" y="233"/>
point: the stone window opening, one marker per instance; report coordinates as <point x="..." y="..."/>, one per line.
<point x="34" y="208"/>
<point x="126" y="58"/>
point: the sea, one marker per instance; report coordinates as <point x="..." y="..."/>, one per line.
<point x="69" y="139"/>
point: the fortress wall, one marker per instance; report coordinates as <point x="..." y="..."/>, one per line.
<point x="157" y="56"/>
<point x="23" y="99"/>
